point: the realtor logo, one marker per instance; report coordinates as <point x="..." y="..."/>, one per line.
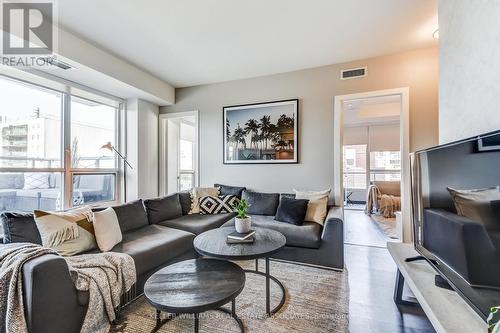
<point x="28" y="28"/>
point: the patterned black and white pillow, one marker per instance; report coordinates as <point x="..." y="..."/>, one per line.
<point x="217" y="205"/>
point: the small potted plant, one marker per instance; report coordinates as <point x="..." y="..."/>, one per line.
<point x="242" y="222"/>
<point x="494" y="320"/>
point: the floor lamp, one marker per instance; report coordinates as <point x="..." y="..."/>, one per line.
<point x="111" y="148"/>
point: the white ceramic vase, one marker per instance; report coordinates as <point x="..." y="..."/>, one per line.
<point x="243" y="225"/>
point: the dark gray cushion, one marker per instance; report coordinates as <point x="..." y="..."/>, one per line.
<point x="154" y="245"/>
<point x="230" y="190"/>
<point x="307" y="235"/>
<point x="131" y="215"/>
<point x="198" y="223"/>
<point x="261" y="203"/>
<point x="161" y="209"/>
<point x="19" y="228"/>
<point x="185" y="199"/>
<point x="292" y="210"/>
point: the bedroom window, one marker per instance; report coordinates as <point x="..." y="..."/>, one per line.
<point x="385" y="166"/>
<point x="50" y="140"/>
<point x="355" y="166"/>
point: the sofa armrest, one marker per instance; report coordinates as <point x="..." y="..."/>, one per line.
<point x="463" y="244"/>
<point x="332" y="237"/>
<point x="51" y="301"/>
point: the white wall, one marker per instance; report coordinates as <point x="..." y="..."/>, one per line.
<point x="142" y="149"/>
<point x="469" y="65"/>
<point x="316" y="89"/>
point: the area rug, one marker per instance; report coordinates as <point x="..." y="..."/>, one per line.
<point x="317" y="301"/>
<point x="387" y="224"/>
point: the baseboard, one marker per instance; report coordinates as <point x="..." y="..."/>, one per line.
<point x="308" y="265"/>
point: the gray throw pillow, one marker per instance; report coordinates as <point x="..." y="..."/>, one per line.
<point x="230" y="190"/>
<point x="292" y="210"/>
<point x="161" y="209"/>
<point x="131" y="215"/>
<point x="185" y="200"/>
<point x="20" y="228"/>
<point x="261" y="203"/>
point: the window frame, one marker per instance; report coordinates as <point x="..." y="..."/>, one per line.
<point x="66" y="171"/>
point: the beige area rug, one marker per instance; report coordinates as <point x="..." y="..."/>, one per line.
<point x="317" y="301"/>
<point x="387" y="224"/>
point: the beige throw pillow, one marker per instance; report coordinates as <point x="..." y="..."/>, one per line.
<point x="199" y="192"/>
<point x="317" y="208"/>
<point x="475" y="204"/>
<point x="107" y="229"/>
<point x="55" y="230"/>
<point x="80" y="218"/>
<point x="85" y="242"/>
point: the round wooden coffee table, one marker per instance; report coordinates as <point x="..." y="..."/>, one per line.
<point x="212" y="243"/>
<point x="195" y="286"/>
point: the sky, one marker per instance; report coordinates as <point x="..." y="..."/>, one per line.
<point x="18" y="101"/>
<point x="241" y="116"/>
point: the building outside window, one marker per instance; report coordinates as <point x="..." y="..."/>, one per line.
<point x="355" y="166"/>
<point x="50" y="156"/>
<point x="385" y="165"/>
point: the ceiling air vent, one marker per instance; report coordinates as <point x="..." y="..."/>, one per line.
<point x="353" y="73"/>
<point x="58" y="63"/>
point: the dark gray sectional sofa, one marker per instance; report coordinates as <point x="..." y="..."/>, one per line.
<point x="156" y="233"/>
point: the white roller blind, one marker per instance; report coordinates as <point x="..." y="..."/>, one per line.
<point x="384" y="137"/>
<point x="356" y="135"/>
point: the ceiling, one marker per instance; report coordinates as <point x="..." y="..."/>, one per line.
<point x="193" y="42"/>
<point x="372" y="111"/>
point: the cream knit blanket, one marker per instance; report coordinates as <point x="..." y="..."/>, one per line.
<point x="106" y="276"/>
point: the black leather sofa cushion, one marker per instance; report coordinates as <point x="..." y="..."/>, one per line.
<point x="198" y="223"/>
<point x="19" y="228"/>
<point x="185" y="200"/>
<point x="230" y="190"/>
<point x="261" y="203"/>
<point x="154" y="245"/>
<point x="166" y="208"/>
<point x="307" y="235"/>
<point x="131" y="216"/>
<point x="292" y="210"/>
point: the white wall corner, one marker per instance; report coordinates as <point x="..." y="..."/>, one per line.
<point x="142" y="149"/>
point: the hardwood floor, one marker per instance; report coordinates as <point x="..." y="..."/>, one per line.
<point x="360" y="229"/>
<point x="372" y="276"/>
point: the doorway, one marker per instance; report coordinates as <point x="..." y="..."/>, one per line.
<point x="371" y="140"/>
<point x="178" y="152"/>
<point x="371" y="169"/>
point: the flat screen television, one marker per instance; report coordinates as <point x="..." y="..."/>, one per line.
<point x="459" y="234"/>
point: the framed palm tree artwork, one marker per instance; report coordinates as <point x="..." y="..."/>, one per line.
<point x="261" y="133"/>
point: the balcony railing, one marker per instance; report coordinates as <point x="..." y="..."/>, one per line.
<point x="42" y="162"/>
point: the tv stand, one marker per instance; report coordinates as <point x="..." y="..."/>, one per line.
<point x="446" y="310"/>
<point x="441" y="282"/>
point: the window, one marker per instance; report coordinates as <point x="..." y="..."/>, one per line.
<point x="385" y="165"/>
<point x="30" y="126"/>
<point x="355" y="167"/>
<point x="92" y="125"/>
<point x="45" y="164"/>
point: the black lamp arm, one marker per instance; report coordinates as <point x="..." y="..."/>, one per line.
<point x="123" y="157"/>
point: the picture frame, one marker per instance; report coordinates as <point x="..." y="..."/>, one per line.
<point x="488" y="142"/>
<point x="261" y="133"/>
